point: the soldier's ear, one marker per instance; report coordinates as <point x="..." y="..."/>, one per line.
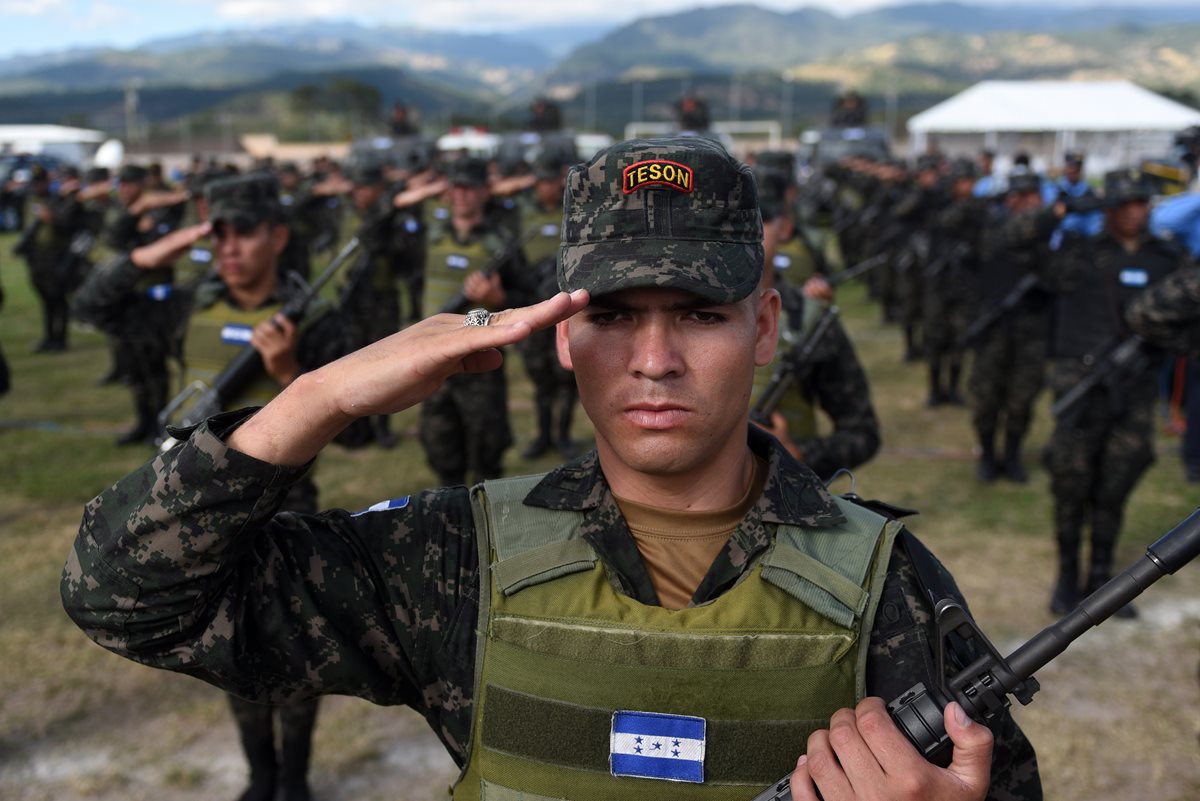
<point x="767" y="326"/>
<point x="279" y="238"/>
<point x="562" y="343"/>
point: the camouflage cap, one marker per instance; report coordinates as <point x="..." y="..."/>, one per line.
<point x="1125" y="186"/>
<point x="467" y="171"/>
<point x="245" y="199"/>
<point x="132" y="174"/>
<point x="367" y="174"/>
<point x="679" y="213"/>
<point x="1024" y="182"/>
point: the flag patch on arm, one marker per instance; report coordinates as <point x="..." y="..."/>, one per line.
<point x="384" y="506"/>
<point x="650" y="745"/>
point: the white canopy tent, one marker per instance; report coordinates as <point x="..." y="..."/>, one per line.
<point x="1115" y="123"/>
<point x="73" y="144"/>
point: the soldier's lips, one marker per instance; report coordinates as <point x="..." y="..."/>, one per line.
<point x="655" y="417"/>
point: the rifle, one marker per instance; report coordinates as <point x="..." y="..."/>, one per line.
<point x="1126" y="357"/>
<point x="953" y="255"/>
<point x="862" y="268"/>
<point x="982" y="323"/>
<point x="69" y="272"/>
<point x="458" y="303"/>
<point x="982" y="688"/>
<point x="789" y="369"/>
<point x="247" y="365"/>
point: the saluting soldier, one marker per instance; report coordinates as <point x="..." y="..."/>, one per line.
<point x="464" y="425"/>
<point x="220" y="319"/>
<point x="554" y="391"/>
<point x="46" y="247"/>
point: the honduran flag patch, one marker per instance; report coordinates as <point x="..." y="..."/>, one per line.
<point x="384" y="506"/>
<point x="649" y="745"/>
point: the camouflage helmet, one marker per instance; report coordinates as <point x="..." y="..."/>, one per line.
<point x="244" y="200"/>
<point x="675" y="213"/>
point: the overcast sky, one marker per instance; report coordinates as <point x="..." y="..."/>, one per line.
<point x="33" y="26"/>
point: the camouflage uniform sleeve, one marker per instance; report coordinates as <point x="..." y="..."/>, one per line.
<point x="839" y="386"/>
<point x="1168" y="314"/>
<point x="185" y="565"/>
<point x="901" y="655"/>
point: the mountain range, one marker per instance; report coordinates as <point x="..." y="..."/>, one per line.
<point x="927" y="48"/>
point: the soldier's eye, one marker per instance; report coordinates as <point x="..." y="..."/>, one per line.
<point x="605" y="318"/>
<point x="706" y="317"/>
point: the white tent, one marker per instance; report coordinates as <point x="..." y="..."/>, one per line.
<point x="1116" y="123"/>
<point x="74" y="144"/>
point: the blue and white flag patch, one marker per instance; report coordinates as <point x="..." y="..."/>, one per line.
<point x="201" y="255"/>
<point x="549" y="230"/>
<point x="1134" y="276"/>
<point x="384" y="506"/>
<point x="159" y="292"/>
<point x="456" y="262"/>
<point x="781" y="261"/>
<point x="650" y="745"/>
<point x="236" y="334"/>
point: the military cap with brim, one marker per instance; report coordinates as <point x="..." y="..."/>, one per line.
<point x="1125" y="186"/>
<point x="467" y="171"/>
<point x="132" y="174"/>
<point x="244" y="199"/>
<point x="675" y="213"/>
<point x="1022" y="182"/>
<point x="367" y="175"/>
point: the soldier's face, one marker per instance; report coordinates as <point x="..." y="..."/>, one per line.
<point x="1129" y="220"/>
<point x="666" y="377"/>
<point x="468" y="201"/>
<point x="247" y="255"/>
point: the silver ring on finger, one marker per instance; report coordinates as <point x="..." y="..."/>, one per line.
<point x="478" y="317"/>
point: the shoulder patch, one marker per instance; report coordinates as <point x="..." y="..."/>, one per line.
<point x="658" y="172"/>
<point x="385" y="506"/>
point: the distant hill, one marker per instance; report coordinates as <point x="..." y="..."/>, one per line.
<point x="745" y="37"/>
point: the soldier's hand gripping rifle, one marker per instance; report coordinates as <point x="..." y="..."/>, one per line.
<point x="1129" y="356"/>
<point x="985" y="321"/>
<point x="247" y="366"/>
<point x="791" y="369"/>
<point x="982" y="688"/>
<point x="458" y="303"/>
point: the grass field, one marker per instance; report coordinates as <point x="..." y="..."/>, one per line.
<point x="1118" y="716"/>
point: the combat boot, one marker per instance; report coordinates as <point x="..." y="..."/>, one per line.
<point x="296" y="722"/>
<point x="1066" y="590"/>
<point x="1014" y="469"/>
<point x="936" y="396"/>
<point x="987" y="471"/>
<point x="953" y="396"/>
<point x="541" y="442"/>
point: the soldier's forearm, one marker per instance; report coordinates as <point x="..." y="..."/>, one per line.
<point x="294" y="427"/>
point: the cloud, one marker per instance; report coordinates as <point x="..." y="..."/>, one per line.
<point x="30" y="8"/>
<point x="100" y="15"/>
<point x="281" y="10"/>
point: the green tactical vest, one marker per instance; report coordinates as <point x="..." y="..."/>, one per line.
<point x="794" y="263"/>
<point x="562" y="651"/>
<point x="544" y="245"/>
<point x="217" y="332"/>
<point x="447" y="263"/>
<point x="798" y="410"/>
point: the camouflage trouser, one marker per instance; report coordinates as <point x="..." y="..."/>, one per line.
<point x="464" y="427"/>
<point x="554" y="390"/>
<point x="256" y="722"/>
<point x="947" y="313"/>
<point x="144" y="359"/>
<point x="1095" y="457"/>
<point x="1007" y="374"/>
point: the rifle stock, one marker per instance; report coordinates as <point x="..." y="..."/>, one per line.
<point x="993" y="315"/>
<point x="1104" y="372"/>
<point x="789" y="369"/>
